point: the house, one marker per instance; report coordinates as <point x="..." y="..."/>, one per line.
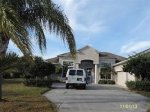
<point x="89" y="59"/>
<point x="121" y="77"/>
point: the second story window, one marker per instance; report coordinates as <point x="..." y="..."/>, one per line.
<point x="105" y="70"/>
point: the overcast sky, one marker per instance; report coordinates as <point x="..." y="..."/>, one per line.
<point x="117" y="26"/>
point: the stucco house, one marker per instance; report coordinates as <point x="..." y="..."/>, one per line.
<point x="121" y="77"/>
<point x="89" y="59"/>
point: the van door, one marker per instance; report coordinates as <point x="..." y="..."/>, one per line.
<point x="72" y="76"/>
<point x="81" y="78"/>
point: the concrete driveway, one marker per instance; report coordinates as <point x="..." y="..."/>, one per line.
<point x="96" y="98"/>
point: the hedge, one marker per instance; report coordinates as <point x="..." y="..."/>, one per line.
<point x="138" y="85"/>
<point x="106" y="82"/>
<point x="38" y="82"/>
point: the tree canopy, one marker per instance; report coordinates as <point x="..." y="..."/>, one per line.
<point x="18" y="18"/>
<point x="138" y="65"/>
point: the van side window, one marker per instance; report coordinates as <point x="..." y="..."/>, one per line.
<point x="72" y="72"/>
<point x="80" y="72"/>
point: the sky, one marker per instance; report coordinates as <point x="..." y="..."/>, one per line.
<point x="121" y="27"/>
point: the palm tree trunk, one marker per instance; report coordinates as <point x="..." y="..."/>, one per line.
<point x="1" y="79"/>
<point x="4" y="41"/>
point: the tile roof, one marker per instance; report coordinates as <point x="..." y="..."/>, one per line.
<point x="53" y="60"/>
<point x="101" y="54"/>
<point x="111" y="55"/>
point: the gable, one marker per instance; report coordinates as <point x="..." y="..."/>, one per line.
<point x="88" y="53"/>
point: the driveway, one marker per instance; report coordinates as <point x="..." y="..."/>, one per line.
<point x="96" y="98"/>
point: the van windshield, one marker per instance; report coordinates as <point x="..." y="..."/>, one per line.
<point x="72" y="72"/>
<point x="80" y="72"/>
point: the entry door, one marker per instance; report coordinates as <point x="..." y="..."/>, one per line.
<point x="89" y="75"/>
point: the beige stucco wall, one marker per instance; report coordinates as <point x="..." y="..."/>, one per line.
<point x="88" y="54"/>
<point x="121" y="76"/>
<point x="85" y="54"/>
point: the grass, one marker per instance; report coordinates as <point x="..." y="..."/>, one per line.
<point x="20" y="98"/>
<point x="147" y="94"/>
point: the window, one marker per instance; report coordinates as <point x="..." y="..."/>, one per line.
<point x="80" y="72"/>
<point x="68" y="63"/>
<point x="72" y="72"/>
<point x="103" y="64"/>
<point x="105" y="70"/>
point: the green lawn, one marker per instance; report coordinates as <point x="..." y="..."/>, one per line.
<point x="19" y="98"/>
<point x="147" y="94"/>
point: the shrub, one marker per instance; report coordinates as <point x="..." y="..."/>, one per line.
<point x="58" y="69"/>
<point x="7" y="75"/>
<point x="38" y="82"/>
<point x="106" y="82"/>
<point x="110" y="82"/>
<point x="138" y="85"/>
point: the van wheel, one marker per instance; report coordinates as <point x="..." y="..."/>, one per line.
<point x="67" y="86"/>
<point x="84" y="87"/>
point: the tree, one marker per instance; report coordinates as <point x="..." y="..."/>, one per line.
<point x="8" y="63"/>
<point x="138" y="65"/>
<point x="58" y="69"/>
<point x="40" y="69"/>
<point x="19" y="17"/>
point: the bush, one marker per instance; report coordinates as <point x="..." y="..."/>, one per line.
<point x="106" y="82"/>
<point x="138" y="85"/>
<point x="110" y="82"/>
<point x="7" y="76"/>
<point x="38" y="82"/>
<point x="58" y="69"/>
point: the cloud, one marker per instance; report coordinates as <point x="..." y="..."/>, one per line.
<point x="142" y="23"/>
<point x="134" y="46"/>
<point x="75" y="9"/>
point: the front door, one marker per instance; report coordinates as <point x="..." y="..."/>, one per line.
<point x="89" y="75"/>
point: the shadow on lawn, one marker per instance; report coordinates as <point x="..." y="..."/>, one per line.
<point x="13" y="81"/>
<point x="3" y="101"/>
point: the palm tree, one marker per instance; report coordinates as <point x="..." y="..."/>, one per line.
<point x="107" y="70"/>
<point x="8" y="63"/>
<point x="19" y="17"/>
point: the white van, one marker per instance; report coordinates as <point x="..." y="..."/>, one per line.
<point x="76" y="77"/>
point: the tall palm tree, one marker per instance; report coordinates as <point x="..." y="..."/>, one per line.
<point x="19" y="17"/>
<point x="8" y="63"/>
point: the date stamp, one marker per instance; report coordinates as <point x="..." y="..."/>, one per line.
<point x="134" y="106"/>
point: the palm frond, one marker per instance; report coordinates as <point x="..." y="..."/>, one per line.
<point x="13" y="28"/>
<point x="36" y="16"/>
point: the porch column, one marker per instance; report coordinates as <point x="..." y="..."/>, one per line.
<point x="77" y="65"/>
<point x="95" y="73"/>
